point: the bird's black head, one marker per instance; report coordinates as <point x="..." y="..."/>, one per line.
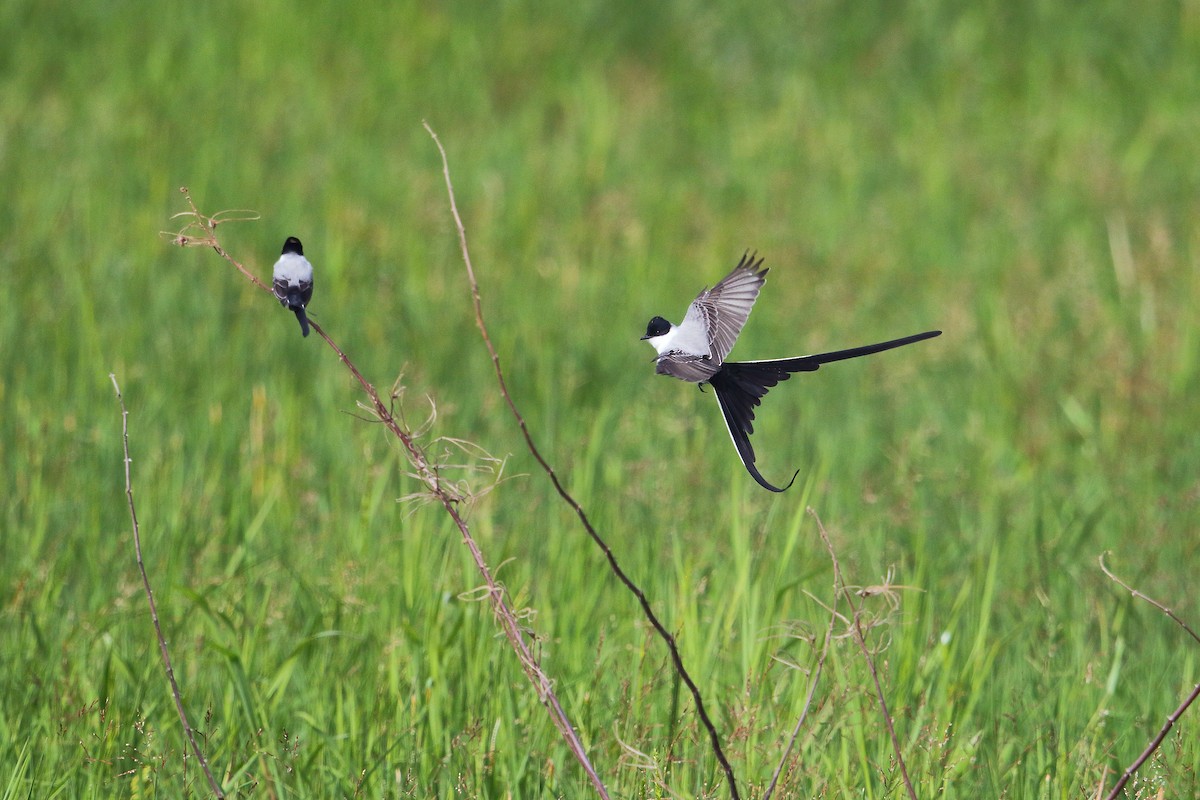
<point x="656" y="327"/>
<point x="292" y="245"/>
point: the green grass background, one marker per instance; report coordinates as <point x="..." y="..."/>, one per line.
<point x="1021" y="175"/>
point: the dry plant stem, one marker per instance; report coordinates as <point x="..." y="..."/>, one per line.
<point x="1149" y="600"/>
<point x="162" y="642"/>
<point x="1132" y="769"/>
<point x="666" y="636"/>
<point x="504" y="615"/>
<point x="429" y="476"/>
<point x="856" y="626"/>
<point x="812" y="690"/>
<point x="1129" y="772"/>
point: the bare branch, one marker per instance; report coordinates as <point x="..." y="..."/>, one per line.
<point x="201" y="231"/>
<point x="666" y="635"/>
<point x="1174" y="716"/>
<point x="162" y="642"/>
<point x="1150" y="600"/>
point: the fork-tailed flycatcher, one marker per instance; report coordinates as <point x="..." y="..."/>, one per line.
<point x="293" y="280"/>
<point x="695" y="351"/>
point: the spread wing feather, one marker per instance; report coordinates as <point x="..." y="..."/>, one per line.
<point x="722" y="311"/>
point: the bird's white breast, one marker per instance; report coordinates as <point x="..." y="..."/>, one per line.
<point x="294" y="269"/>
<point x="682" y="338"/>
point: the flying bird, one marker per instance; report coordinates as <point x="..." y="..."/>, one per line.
<point x="695" y="351"/>
<point x="293" y="280"/>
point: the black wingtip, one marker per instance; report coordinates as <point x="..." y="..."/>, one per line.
<point x="751" y="260"/>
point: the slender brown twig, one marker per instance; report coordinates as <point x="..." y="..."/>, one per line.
<point x="200" y="231"/>
<point x="1148" y="599"/>
<point x="666" y="635"/>
<point x="856" y="627"/>
<point x="1174" y="716"/>
<point x="162" y="642"/>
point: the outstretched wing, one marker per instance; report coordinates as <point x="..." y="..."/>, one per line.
<point x="722" y="310"/>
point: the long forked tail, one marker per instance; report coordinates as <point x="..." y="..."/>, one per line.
<point x="740" y="387"/>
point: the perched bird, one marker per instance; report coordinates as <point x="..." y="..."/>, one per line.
<point x="695" y="351"/>
<point x="293" y="280"/>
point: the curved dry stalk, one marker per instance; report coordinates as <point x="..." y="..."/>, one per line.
<point x="662" y="631"/>
<point x="188" y="732"/>
<point x="1148" y="599"/>
<point x="1174" y="716"/>
<point x="856" y="627"/>
<point x="201" y="232"/>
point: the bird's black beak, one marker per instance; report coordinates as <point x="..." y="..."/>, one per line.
<point x="644" y="338"/>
